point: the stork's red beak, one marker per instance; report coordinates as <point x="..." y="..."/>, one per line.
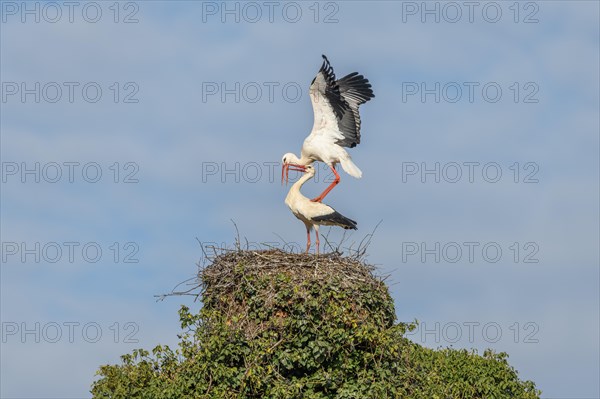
<point x="285" y="170"/>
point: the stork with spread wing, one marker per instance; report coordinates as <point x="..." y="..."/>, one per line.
<point x="336" y="124"/>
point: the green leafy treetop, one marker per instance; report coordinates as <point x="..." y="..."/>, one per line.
<point x="281" y="325"/>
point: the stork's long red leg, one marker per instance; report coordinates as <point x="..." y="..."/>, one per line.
<point x="328" y="189"/>
<point x="308" y="239"/>
<point x="317" y="234"/>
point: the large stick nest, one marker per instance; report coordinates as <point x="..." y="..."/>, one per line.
<point x="223" y="274"/>
<point x="242" y="285"/>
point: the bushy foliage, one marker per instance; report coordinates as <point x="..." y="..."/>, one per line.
<point x="276" y="325"/>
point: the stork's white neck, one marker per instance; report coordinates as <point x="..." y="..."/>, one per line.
<point x="296" y="186"/>
<point x="294" y="196"/>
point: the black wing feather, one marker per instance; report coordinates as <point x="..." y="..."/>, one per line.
<point x="356" y="90"/>
<point x="337" y="219"/>
<point x="345" y="96"/>
<point x="332" y="90"/>
<point x="356" y="87"/>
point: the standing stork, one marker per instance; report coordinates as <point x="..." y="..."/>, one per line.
<point x="336" y="124"/>
<point x="313" y="214"/>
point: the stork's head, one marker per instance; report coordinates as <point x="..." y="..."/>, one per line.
<point x="289" y="158"/>
<point x="286" y="160"/>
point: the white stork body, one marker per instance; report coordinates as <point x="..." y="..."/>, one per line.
<point x="336" y="122"/>
<point x="313" y="214"/>
<point x="319" y="147"/>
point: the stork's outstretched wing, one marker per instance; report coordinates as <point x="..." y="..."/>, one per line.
<point x="355" y="90"/>
<point x="335" y="104"/>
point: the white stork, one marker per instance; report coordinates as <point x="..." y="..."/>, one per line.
<point x="336" y="124"/>
<point x="313" y="214"/>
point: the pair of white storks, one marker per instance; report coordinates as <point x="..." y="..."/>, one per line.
<point x="336" y="125"/>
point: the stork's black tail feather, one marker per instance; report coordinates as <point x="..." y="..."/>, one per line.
<point x="336" y="219"/>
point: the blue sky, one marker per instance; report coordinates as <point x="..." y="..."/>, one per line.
<point x="174" y="146"/>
